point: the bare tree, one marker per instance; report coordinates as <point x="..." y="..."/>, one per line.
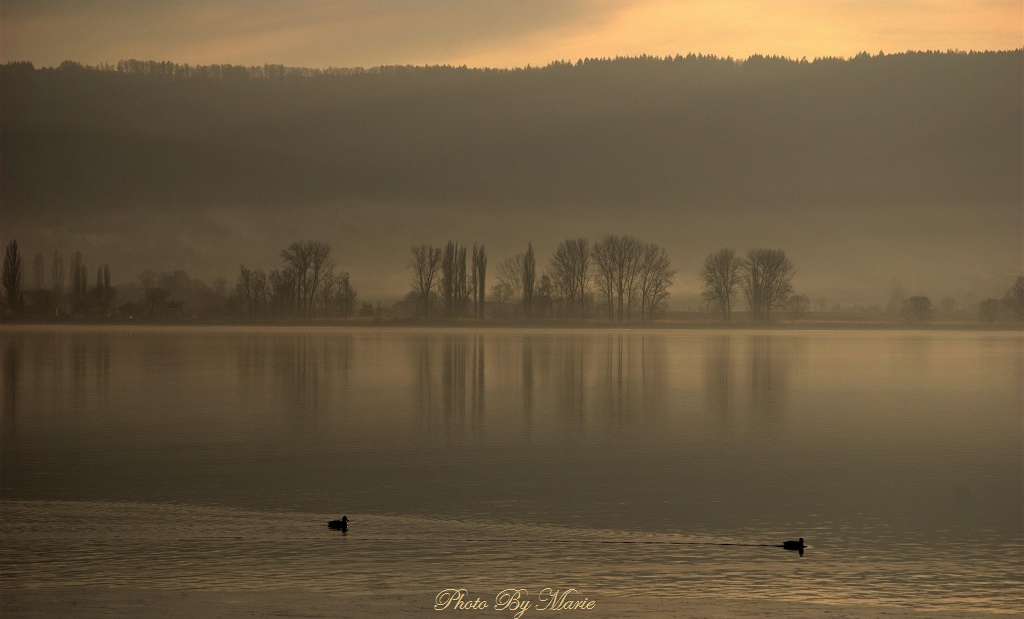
<point x="104" y="292"/>
<point x="297" y="261"/>
<point x="57" y="279"/>
<point x="345" y="295"/>
<point x="282" y="289"/>
<point x="571" y="276"/>
<point x="719" y="277"/>
<point x="544" y="297"/>
<point x="261" y="292"/>
<point x="510" y="278"/>
<point x="247" y="289"/>
<point x="529" y="276"/>
<point x="654" y="279"/>
<point x="12" y="277"/>
<point x="453" y="279"/>
<point x="327" y="296"/>
<point x="1013" y="300"/>
<point x="311" y="263"/>
<point x="424" y="264"/>
<point x="83" y="283"/>
<point x="79" y="282"/>
<point x="604" y="276"/>
<point x="618" y="266"/>
<point x="766" y="279"/>
<point x="448" y="284"/>
<point x="479" y="279"/>
<point x="321" y="269"/>
<point x="462" y="283"/>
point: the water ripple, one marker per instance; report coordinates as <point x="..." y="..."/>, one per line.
<point x="186" y="546"/>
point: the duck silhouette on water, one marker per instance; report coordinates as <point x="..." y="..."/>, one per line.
<point x="795" y="545"/>
<point x="339" y="525"/>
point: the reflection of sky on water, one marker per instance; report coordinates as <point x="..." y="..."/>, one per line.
<point x="592" y="381"/>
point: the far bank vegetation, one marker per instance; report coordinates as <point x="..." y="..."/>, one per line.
<point x="618" y="280"/>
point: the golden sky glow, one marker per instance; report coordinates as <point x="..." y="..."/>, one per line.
<point x="496" y="33"/>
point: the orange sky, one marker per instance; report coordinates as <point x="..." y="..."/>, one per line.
<point x="496" y="33"/>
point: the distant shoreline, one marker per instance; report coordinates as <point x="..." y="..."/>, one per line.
<point x="668" y="324"/>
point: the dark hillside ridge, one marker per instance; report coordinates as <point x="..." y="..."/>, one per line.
<point x="931" y="129"/>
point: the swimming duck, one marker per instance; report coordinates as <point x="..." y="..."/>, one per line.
<point x="791" y="545"/>
<point x="340" y="525"/>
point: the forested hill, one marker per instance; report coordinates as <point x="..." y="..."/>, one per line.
<point x="915" y="128"/>
<point x="206" y="166"/>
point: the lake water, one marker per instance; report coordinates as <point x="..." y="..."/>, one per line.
<point x="655" y="463"/>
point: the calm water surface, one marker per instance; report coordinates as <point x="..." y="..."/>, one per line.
<point x="646" y="463"/>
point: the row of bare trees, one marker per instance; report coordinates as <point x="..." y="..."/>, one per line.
<point x="624" y="276"/>
<point x="570" y="276"/>
<point x="631" y="276"/>
<point x="51" y="297"/>
<point x="12" y="276"/>
<point x="764" y="275"/>
<point x="765" y="278"/>
<point x="442" y="275"/>
<point x="307" y="285"/>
